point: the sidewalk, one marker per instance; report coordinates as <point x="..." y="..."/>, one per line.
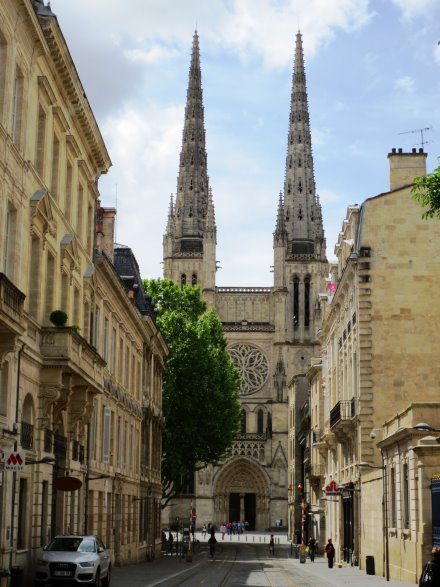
<point x="344" y="576"/>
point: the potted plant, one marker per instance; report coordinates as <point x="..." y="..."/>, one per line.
<point x="58" y="318"/>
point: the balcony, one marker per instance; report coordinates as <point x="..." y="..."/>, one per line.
<point x="64" y="347"/>
<point x="11" y="314"/>
<point x="316" y="472"/>
<point x="342" y="417"/>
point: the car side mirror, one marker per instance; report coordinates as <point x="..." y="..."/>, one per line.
<point x="100" y="549"/>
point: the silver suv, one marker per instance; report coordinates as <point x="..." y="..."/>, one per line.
<point x="82" y="560"/>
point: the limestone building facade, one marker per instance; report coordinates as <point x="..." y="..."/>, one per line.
<point x="271" y="331"/>
<point x="80" y="403"/>
<point x="377" y="378"/>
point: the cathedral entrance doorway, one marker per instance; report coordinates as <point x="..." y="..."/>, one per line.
<point x="242" y="507"/>
<point x="241" y="489"/>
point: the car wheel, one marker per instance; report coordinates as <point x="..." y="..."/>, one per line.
<point x="106" y="581"/>
<point x="98" y="582"/>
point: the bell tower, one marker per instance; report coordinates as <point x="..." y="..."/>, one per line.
<point x="299" y="243"/>
<point x="189" y="244"/>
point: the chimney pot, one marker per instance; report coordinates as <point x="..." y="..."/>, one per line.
<point x="414" y="150"/>
<point x="421" y="150"/>
<point x="400" y="150"/>
<point x="393" y="150"/>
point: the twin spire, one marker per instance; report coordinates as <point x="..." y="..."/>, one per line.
<point x="191" y="216"/>
<point x="299" y="219"/>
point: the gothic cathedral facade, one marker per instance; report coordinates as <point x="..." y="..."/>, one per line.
<point x="271" y="331"/>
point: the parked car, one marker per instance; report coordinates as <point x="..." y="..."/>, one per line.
<point x="81" y="560"/>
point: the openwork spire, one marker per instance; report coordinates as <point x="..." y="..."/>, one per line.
<point x="302" y="210"/>
<point x="192" y="183"/>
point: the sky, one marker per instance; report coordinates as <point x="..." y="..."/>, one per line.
<point x="373" y="80"/>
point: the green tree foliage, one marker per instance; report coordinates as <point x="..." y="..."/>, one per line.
<point x="201" y="385"/>
<point x="426" y="190"/>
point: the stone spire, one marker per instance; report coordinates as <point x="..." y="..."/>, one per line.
<point x="192" y="183"/>
<point x="303" y="217"/>
<point x="189" y="244"/>
<point x="280" y="228"/>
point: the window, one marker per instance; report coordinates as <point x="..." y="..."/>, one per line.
<point x="22" y="515"/>
<point x="35" y="286"/>
<point x="93" y="435"/>
<point x="406" y="522"/>
<point x="9" y="241"/>
<point x="4" y="380"/>
<point x="393" y="511"/>
<point x="194" y="279"/>
<point x="118" y="442"/>
<point x="50" y="277"/>
<point x="260" y="421"/>
<point x="41" y="139"/>
<point x="183" y="279"/>
<point x="17" y="107"/>
<point x="105" y="341"/>
<point x="113" y="357"/>
<point x="96" y="332"/>
<point x="106" y="425"/>
<point x="295" y="302"/>
<point x="68" y="196"/>
<point x="243" y="421"/>
<point x="90" y="229"/>
<point x="3" y="63"/>
<point x="79" y="213"/>
<point x="307" y="302"/>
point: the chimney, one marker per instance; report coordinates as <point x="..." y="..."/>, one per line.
<point x="105" y="230"/>
<point x="404" y="167"/>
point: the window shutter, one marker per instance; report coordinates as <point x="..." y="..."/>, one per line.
<point x="106" y="435"/>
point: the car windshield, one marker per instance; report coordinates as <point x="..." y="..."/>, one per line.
<point x="72" y="544"/>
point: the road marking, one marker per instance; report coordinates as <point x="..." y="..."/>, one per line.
<point x="161" y="582"/>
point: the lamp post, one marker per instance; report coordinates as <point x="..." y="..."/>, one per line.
<point x="385" y="511"/>
<point x="424" y="426"/>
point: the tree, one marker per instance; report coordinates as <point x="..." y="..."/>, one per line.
<point x="426" y="190"/>
<point x="201" y="384"/>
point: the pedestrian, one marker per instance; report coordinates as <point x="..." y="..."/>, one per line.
<point x="212" y="542"/>
<point x="312" y="549"/>
<point x="430" y="576"/>
<point x="271" y="545"/>
<point x="170" y="542"/>
<point x="204" y="531"/>
<point x="223" y="530"/>
<point x="330" y="553"/>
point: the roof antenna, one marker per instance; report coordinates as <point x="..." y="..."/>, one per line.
<point x="421" y="131"/>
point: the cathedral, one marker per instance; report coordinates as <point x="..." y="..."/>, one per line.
<point x="271" y="331"/>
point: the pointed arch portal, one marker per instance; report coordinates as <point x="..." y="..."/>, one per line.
<point x="241" y="492"/>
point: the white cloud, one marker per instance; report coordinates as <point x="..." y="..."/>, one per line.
<point x="415" y="8"/>
<point x="404" y="84"/>
<point x="155" y="54"/>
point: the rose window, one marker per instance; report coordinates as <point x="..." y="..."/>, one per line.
<point x="252" y="364"/>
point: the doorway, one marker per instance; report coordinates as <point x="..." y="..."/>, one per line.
<point x="242" y="507"/>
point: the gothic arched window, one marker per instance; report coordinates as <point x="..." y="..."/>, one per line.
<point x="183" y="279"/>
<point x="243" y="421"/>
<point x="194" y="279"/>
<point x="295" y="302"/>
<point x="260" y="421"/>
<point x="307" y="302"/>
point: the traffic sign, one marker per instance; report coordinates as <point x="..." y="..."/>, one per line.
<point x="14" y="461"/>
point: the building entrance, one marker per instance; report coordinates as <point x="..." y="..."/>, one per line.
<point x="242" y="507"/>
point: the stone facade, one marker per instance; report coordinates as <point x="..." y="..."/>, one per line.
<point x="271" y="331"/>
<point x="379" y="345"/>
<point x="82" y="400"/>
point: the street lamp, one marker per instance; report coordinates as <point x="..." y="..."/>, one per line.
<point x="424" y="426"/>
<point x="385" y="510"/>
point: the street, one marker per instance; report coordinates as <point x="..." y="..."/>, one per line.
<point x="242" y="563"/>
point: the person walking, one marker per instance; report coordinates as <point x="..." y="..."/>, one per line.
<point x="330" y="553"/>
<point x="212" y="542"/>
<point x="170" y="542"/>
<point x="272" y="545"/>
<point x="204" y="531"/>
<point x="430" y="576"/>
<point x="312" y="549"/>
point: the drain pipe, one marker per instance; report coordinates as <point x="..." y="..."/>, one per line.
<point x="14" y="474"/>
